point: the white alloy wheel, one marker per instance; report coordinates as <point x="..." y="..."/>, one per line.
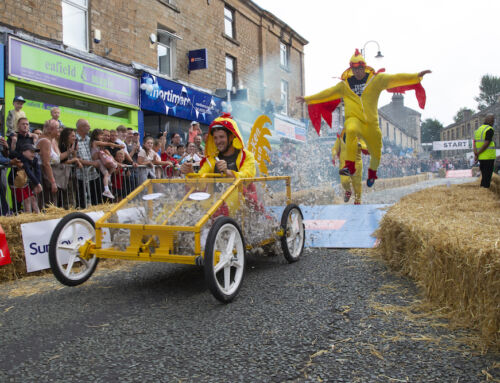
<point x="224" y="259"/>
<point x="69" y="235"/>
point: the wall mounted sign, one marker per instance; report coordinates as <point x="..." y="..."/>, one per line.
<point x="30" y="62"/>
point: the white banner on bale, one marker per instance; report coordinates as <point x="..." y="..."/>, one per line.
<point x="451" y="145"/>
<point x="36" y="238"/>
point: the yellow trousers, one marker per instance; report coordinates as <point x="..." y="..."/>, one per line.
<point x="354" y="180"/>
<point x="372" y="136"/>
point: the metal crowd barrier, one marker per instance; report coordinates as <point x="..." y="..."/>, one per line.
<point x="76" y="191"/>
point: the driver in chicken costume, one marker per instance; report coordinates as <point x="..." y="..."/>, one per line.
<point x="360" y="89"/>
<point x="225" y="154"/>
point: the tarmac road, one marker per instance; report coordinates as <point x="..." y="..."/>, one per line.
<point x="336" y="316"/>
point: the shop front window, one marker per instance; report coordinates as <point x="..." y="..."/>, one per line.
<point x="75" y="26"/>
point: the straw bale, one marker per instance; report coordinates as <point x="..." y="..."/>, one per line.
<point x="448" y="240"/>
<point x="12" y="228"/>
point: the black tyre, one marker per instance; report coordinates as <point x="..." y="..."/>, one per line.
<point x="64" y="257"/>
<point x="292" y="241"/>
<point x="224" y="260"/>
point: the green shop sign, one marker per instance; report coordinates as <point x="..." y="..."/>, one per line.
<point x="34" y="63"/>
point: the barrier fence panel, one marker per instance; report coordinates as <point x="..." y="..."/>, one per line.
<point x="76" y="190"/>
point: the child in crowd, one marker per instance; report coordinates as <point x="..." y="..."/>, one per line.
<point x="14" y="115"/>
<point x="121" y="176"/>
<point x="179" y="154"/>
<point x="24" y="193"/>
<point x="168" y="156"/>
<point x="192" y="156"/>
<point x="107" y="164"/>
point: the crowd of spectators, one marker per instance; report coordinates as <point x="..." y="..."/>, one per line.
<point x="311" y="164"/>
<point x="73" y="167"/>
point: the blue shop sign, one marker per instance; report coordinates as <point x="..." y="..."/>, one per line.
<point x="173" y="99"/>
<point x="2" y="71"/>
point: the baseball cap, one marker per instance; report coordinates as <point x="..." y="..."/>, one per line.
<point x="29" y="147"/>
<point x="19" y="98"/>
<point x="194" y="122"/>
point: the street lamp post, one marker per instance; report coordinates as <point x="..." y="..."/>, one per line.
<point x="379" y="54"/>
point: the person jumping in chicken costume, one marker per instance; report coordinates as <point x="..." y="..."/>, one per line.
<point x="360" y="89"/>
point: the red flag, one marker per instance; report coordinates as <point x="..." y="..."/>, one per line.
<point x="419" y="92"/>
<point x="325" y="110"/>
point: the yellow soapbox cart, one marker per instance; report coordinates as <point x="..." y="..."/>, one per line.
<point x="209" y="221"/>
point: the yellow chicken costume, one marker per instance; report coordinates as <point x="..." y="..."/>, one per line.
<point x="245" y="162"/>
<point x="339" y="150"/>
<point x="361" y="112"/>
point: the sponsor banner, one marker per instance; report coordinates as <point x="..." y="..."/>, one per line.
<point x="173" y="99"/>
<point x="452" y="145"/>
<point x="36" y="238"/>
<point x="464" y="173"/>
<point x="4" y="249"/>
<point x="289" y="128"/>
<point x="33" y="63"/>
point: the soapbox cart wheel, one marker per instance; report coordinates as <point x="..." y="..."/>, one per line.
<point x="224" y="260"/>
<point x="69" y="264"/>
<point x="293" y="238"/>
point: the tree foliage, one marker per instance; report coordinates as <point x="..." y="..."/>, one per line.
<point x="460" y="114"/>
<point x="489" y="91"/>
<point x="430" y="130"/>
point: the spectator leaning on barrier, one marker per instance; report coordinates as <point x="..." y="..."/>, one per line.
<point x="49" y="156"/>
<point x="484" y="149"/>
<point x="15" y="114"/>
<point x="87" y="178"/>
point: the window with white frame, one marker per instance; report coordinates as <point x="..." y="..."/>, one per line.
<point x="284" y="97"/>
<point x="75" y="25"/>
<point x="229" y="22"/>
<point x="165" y="54"/>
<point x="284" y="53"/>
<point x="230" y="72"/>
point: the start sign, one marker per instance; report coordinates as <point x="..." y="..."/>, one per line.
<point x="4" y="249"/>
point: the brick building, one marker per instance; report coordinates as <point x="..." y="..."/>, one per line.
<point x="464" y="129"/>
<point x="248" y="51"/>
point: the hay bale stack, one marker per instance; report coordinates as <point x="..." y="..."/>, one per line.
<point x="12" y="227"/>
<point x="448" y="240"/>
<point x="495" y="184"/>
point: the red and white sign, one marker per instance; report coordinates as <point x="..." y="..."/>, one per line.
<point x="459" y="173"/>
<point x="324" y="224"/>
<point x="4" y="249"/>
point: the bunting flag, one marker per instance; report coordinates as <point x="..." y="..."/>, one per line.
<point x="419" y="92"/>
<point x="257" y="143"/>
<point x="325" y="110"/>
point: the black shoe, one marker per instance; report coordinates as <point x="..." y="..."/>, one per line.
<point x="345" y="172"/>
